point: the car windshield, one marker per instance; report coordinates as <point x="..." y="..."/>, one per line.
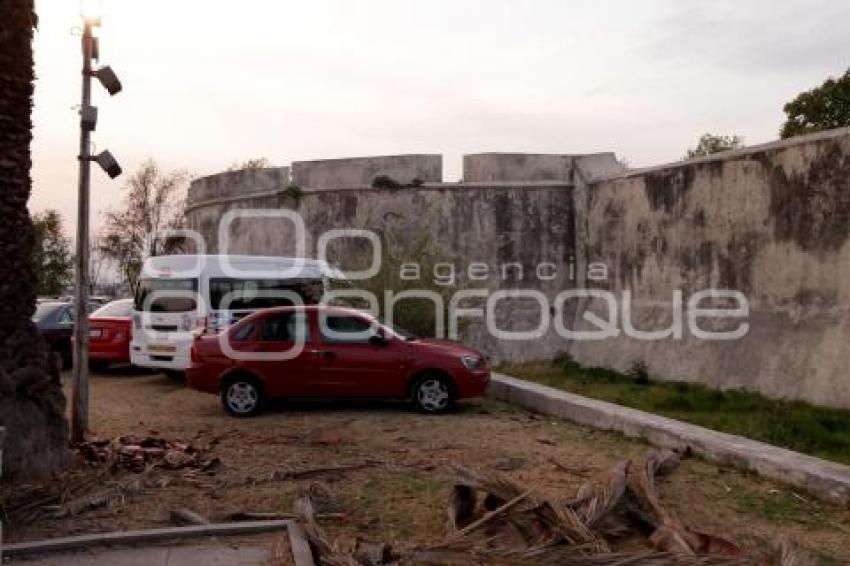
<point x="44" y="310"/>
<point x="115" y="309"/>
<point x="399" y="331"/>
<point x="167" y="295"/>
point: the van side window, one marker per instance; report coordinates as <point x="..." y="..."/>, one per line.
<point x="252" y="294"/>
<point x="286" y="327"/>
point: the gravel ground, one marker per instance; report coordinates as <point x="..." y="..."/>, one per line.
<point x="401" y="493"/>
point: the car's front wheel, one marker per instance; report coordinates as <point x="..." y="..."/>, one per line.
<point x="432" y="394"/>
<point x="242" y="397"/>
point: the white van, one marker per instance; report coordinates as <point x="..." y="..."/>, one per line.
<point x="180" y="295"/>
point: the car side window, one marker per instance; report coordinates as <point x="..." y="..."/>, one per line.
<point x="243" y="333"/>
<point x="66" y="316"/>
<point x="346" y="329"/>
<point x="286" y="327"/>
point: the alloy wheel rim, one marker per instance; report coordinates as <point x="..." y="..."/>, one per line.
<point x="242" y="397"/>
<point x="433" y="395"/>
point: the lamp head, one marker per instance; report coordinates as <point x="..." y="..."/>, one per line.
<point x="108" y="163"/>
<point x="108" y="79"/>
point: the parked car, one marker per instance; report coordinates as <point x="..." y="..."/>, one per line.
<point x="55" y="323"/>
<point x="110" y="329"/>
<point x="346" y="353"/>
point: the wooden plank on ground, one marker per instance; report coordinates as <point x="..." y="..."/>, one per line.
<point x="299" y="545"/>
<point x="143" y="536"/>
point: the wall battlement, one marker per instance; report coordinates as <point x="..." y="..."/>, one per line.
<point x="485" y="169"/>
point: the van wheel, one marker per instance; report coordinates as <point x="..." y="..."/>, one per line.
<point x="242" y="397"/>
<point x="432" y="394"/>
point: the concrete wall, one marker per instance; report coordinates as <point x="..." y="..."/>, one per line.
<point x="239" y="183"/>
<point x="361" y="171"/>
<point x="772" y="222"/>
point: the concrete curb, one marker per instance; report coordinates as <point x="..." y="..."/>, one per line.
<point x="828" y="481"/>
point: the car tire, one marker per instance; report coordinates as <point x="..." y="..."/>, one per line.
<point x="242" y="396"/>
<point x="67" y="357"/>
<point x="432" y="394"/>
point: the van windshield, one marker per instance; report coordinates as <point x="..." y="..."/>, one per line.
<point x="167" y="295"/>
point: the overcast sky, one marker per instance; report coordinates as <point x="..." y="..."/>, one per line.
<point x="208" y="83"/>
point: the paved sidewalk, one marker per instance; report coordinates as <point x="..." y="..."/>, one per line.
<point x="207" y="554"/>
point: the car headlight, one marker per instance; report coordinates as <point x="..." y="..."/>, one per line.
<point x="471" y="362"/>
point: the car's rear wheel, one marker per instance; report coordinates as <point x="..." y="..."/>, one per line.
<point x="432" y="394"/>
<point x="242" y="396"/>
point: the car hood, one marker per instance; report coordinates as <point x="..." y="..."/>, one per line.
<point x="445" y="346"/>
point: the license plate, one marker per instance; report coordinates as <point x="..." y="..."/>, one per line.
<point x="95" y="333"/>
<point x="162" y="348"/>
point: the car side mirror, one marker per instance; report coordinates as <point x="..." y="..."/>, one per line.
<point x="378" y="339"/>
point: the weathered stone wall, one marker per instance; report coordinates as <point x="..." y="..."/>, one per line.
<point x="524" y="224"/>
<point x="361" y="171"/>
<point x="536" y="167"/>
<point x="772" y="222"/>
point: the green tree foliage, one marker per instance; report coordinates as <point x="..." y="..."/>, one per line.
<point x="52" y="253"/>
<point x="710" y="143"/>
<point x="155" y="203"/>
<point x="822" y="108"/>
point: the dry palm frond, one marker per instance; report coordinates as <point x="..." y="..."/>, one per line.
<point x="597" y="500"/>
<point x="112" y="495"/>
<point x="462" y="502"/>
<point x="785" y="553"/>
<point x="328" y="552"/>
<point x="537" y="521"/>
<point x="670" y="535"/>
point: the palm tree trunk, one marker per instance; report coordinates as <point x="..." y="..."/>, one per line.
<point x="32" y="406"/>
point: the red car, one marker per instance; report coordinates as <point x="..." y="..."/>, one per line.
<point x="109" y="334"/>
<point x="344" y="353"/>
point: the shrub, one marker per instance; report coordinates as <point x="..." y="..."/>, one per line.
<point x="294" y="191"/>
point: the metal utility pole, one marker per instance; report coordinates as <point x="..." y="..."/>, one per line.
<point x="80" y="387"/>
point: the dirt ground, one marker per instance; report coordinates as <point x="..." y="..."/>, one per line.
<point x="400" y="494"/>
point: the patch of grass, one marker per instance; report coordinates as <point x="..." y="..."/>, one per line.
<point x="398" y="505"/>
<point x="819" y="431"/>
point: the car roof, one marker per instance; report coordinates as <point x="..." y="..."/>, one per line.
<point x="334" y="309"/>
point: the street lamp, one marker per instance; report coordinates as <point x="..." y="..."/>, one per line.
<point x="90" y="11"/>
